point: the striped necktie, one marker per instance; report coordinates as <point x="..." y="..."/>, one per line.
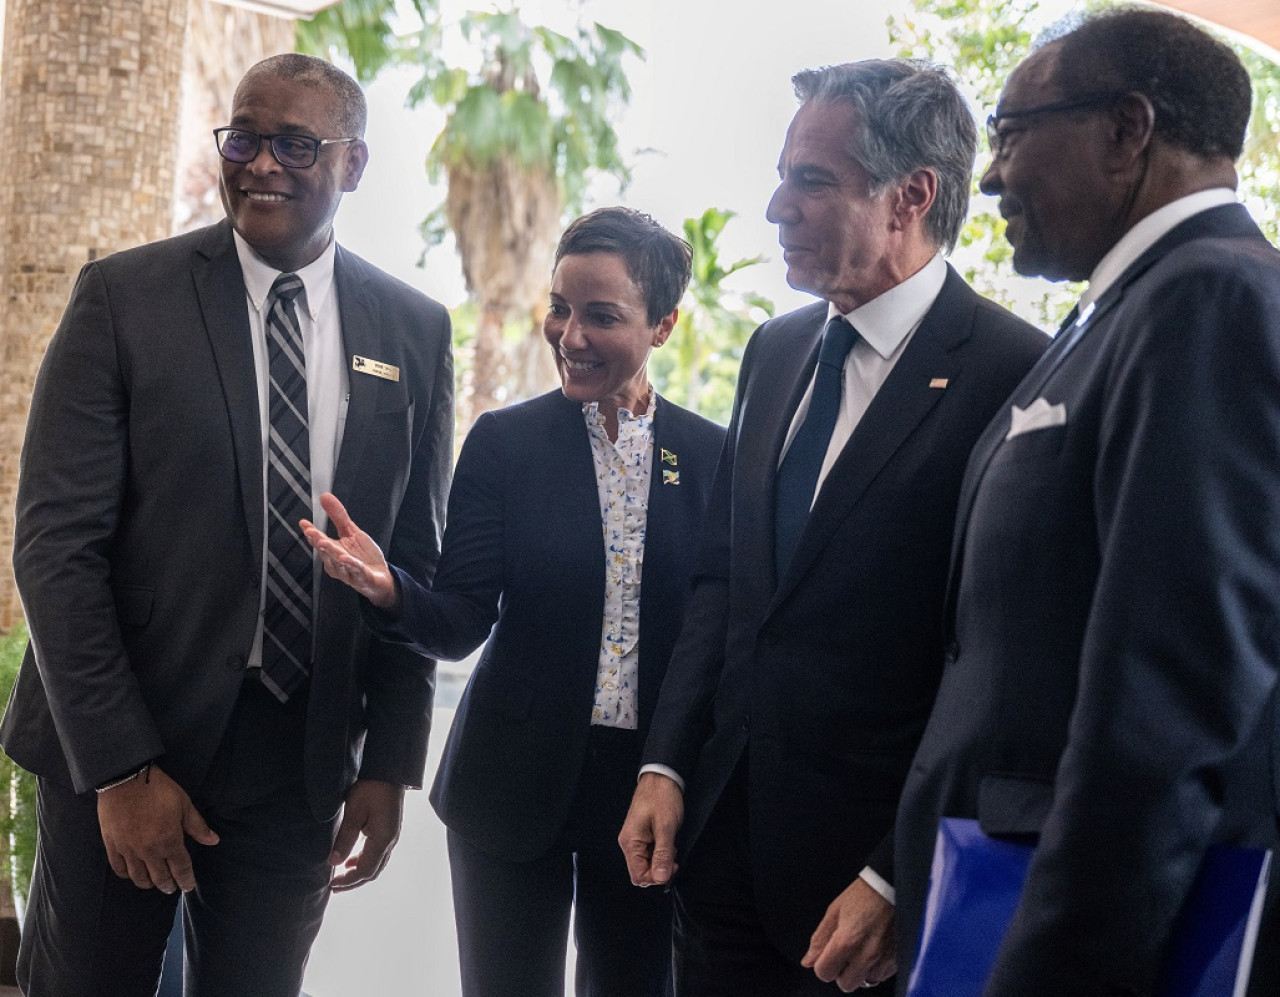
<point x="797" y="477"/>
<point x="286" y="619"/>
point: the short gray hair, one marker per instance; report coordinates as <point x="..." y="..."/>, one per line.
<point x="352" y="109"/>
<point x="909" y="115"/>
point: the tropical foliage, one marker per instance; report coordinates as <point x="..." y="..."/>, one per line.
<point x="983" y="40"/>
<point x="698" y="368"/>
<point x="527" y="128"/>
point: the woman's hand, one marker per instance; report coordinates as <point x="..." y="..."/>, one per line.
<point x="353" y="558"/>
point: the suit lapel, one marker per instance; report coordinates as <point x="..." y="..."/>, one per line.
<point x="901" y="404"/>
<point x="220" y="290"/>
<point x="361" y="336"/>
<point x="1227" y="221"/>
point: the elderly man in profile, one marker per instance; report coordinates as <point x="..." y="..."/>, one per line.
<point x="1112" y="682"/>
<point x="813" y="643"/>
<point x="207" y="714"/>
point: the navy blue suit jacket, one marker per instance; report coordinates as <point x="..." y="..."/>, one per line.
<point x="824" y="677"/>
<point x="524" y="555"/>
<point x="1112" y="681"/>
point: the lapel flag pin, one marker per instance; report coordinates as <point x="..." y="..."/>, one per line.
<point x="938" y="382"/>
<point x="668" y="458"/>
<point x="670" y="477"/>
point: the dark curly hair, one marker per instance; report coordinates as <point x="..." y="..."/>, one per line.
<point x="1199" y="88"/>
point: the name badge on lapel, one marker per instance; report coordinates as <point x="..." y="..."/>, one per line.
<point x="386" y="371"/>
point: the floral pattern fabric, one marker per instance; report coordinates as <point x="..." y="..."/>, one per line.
<point x="623" y="470"/>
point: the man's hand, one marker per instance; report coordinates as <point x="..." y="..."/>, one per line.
<point x="854" y="944"/>
<point x="648" y="837"/>
<point x="373" y="809"/>
<point x="142" y="823"/>
<point x="353" y="558"/>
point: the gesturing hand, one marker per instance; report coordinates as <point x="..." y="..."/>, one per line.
<point x="353" y="558"/>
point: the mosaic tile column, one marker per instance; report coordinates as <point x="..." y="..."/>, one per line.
<point x="89" y="110"/>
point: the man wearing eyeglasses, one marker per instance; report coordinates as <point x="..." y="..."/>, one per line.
<point x="1114" y="618"/>
<point x="208" y="716"/>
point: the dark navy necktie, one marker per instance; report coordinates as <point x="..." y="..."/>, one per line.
<point x="286" y="618"/>
<point x="797" y="478"/>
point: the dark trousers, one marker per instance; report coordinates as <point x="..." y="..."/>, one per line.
<point x="260" y="892"/>
<point x="513" y="917"/>
<point x="721" y="947"/>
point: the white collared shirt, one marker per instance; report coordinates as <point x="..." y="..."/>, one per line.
<point x="321" y="328"/>
<point x="885" y="325"/>
<point x="1145" y="234"/>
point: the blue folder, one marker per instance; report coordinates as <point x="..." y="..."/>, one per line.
<point x="974" y="888"/>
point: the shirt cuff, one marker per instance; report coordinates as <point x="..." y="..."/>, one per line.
<point x="879" y="884"/>
<point x="670" y="773"/>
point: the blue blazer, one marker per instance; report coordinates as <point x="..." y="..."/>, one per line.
<point x="524" y="555"/>
<point x="1114" y="658"/>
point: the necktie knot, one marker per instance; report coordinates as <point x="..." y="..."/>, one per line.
<point x="837" y="341"/>
<point x="286" y="287"/>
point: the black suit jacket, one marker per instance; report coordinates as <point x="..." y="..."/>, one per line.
<point x="1112" y="685"/>
<point x="525" y="551"/>
<point x="824" y="678"/>
<point x="139" y="538"/>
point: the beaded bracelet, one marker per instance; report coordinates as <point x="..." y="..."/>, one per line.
<point x="144" y="772"/>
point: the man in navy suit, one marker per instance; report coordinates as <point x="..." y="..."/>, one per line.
<point x="813" y="642"/>
<point x="239" y="743"/>
<point x="1111" y="685"/>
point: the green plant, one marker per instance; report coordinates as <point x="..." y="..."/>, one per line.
<point x="17" y="786"/>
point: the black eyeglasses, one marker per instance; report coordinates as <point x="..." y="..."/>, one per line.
<point x="297" y="152"/>
<point x="996" y="138"/>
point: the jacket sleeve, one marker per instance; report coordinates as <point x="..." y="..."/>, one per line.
<point x="451" y="617"/>
<point x="71" y="489"/>
<point x="399" y="683"/>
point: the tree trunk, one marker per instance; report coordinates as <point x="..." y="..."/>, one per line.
<point x="222" y="43"/>
<point x="488" y="364"/>
<point x="88" y="122"/>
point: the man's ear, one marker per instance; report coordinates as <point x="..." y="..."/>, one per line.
<point x="1131" y="124"/>
<point x="357" y="160"/>
<point x="915" y="196"/>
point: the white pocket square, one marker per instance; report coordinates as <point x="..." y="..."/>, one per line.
<point x="1038" y="415"/>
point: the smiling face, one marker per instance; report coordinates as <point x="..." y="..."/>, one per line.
<point x="286" y="215"/>
<point x="1056" y="192"/>
<point x="837" y="239"/>
<point x="599" y="330"/>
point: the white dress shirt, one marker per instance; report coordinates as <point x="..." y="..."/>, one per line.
<point x="327" y="396"/>
<point x="885" y="325"/>
<point x="1145" y="234"/>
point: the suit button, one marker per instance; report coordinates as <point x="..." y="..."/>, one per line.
<point x="255" y="580"/>
<point x="953" y="650"/>
<point x="237" y="662"/>
<point x="746" y="724"/>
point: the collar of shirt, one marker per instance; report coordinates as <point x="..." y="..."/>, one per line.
<point x="886" y="321"/>
<point x="1145" y="234"/>
<point x="628" y="422"/>
<point x="259" y="275"/>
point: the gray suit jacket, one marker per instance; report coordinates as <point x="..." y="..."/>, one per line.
<point x="139" y="536"/>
